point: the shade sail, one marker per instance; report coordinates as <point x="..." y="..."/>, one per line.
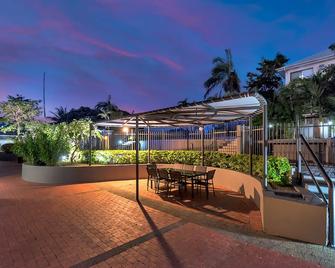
<point x="201" y="113"/>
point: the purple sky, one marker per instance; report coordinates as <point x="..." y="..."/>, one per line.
<point x="146" y="53"/>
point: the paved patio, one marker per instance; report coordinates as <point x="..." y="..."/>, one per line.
<point x="100" y="225"/>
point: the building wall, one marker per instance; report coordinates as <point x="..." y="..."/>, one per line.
<point x="314" y="65"/>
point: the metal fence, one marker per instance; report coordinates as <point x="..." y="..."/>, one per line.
<point x="282" y="140"/>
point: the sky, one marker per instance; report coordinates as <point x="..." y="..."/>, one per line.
<point x="146" y="54"/>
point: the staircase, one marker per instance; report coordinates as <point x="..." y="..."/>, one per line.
<point x="308" y="181"/>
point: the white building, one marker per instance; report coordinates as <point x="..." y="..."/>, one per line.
<point x="307" y="66"/>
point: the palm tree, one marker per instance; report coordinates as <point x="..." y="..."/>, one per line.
<point x="61" y="114"/>
<point x="223" y="75"/>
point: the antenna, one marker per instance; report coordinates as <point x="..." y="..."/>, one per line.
<point x="44" y="95"/>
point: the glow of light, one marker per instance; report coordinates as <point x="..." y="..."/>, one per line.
<point x="63" y="158"/>
<point x="201" y="128"/>
<point x="105" y="137"/>
<point x="125" y="129"/>
<point x="120" y="141"/>
<point x="270" y="126"/>
<point x="330" y="123"/>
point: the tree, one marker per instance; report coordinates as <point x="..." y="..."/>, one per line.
<point x="61" y="114"/>
<point x="314" y="96"/>
<point x="78" y="131"/>
<point x="224" y="76"/>
<point x="18" y="111"/>
<point x="332" y="47"/>
<point x="266" y="80"/>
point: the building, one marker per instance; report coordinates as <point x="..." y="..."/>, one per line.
<point x="307" y="66"/>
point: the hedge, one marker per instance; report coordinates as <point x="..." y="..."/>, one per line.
<point x="279" y="169"/>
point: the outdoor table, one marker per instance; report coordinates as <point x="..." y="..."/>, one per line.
<point x="188" y="174"/>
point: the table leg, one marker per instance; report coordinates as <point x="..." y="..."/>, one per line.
<point x="192" y="182"/>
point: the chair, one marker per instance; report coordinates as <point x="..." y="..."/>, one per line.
<point x="207" y="181"/>
<point x="152" y="177"/>
<point x="176" y="177"/>
<point x="164" y="175"/>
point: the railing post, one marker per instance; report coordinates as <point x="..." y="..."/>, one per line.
<point x="250" y="146"/>
<point x="202" y="136"/>
<point x="137" y="159"/>
<point x="149" y="149"/>
<point x="90" y="148"/>
<point x="331" y="217"/>
<point x="298" y="150"/>
<point x="265" y="146"/>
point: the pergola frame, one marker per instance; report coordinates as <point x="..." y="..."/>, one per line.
<point x="215" y="111"/>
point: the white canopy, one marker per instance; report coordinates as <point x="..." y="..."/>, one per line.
<point x="201" y="113"/>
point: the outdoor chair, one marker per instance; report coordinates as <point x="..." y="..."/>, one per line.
<point x="169" y="183"/>
<point x="207" y="181"/>
<point x="152" y="177"/>
<point x="177" y="178"/>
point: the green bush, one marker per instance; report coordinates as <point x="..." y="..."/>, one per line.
<point x="45" y="145"/>
<point x="7" y="148"/>
<point x="279" y="168"/>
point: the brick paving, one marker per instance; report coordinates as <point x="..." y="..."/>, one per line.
<point x="100" y="225"/>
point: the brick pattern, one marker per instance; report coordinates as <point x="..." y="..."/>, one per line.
<point x="89" y="224"/>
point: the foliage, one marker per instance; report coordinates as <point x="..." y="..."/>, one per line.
<point x="7" y="147"/>
<point x="44" y="145"/>
<point x="332" y="47"/>
<point x="18" y="111"/>
<point x="314" y="96"/>
<point x="278" y="167"/>
<point x="77" y="132"/>
<point x="266" y="80"/>
<point x="223" y="75"/>
<point x="102" y="110"/>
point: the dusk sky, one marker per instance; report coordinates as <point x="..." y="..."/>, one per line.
<point x="146" y="53"/>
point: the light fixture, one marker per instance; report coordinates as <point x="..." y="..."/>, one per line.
<point x="120" y="142"/>
<point x="270" y="125"/>
<point x="330" y="123"/>
<point x="125" y="129"/>
<point x="201" y="128"/>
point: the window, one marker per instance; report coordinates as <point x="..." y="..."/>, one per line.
<point x="301" y="74"/>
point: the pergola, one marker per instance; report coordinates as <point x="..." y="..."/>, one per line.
<point x="202" y="113"/>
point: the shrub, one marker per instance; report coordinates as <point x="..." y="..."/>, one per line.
<point x="7" y="148"/>
<point x="279" y="168"/>
<point x="43" y="146"/>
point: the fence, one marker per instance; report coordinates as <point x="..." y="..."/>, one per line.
<point x="234" y="140"/>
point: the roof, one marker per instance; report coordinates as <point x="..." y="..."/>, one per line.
<point x="321" y="56"/>
<point x="199" y="113"/>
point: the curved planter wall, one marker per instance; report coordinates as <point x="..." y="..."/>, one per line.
<point x="304" y="220"/>
<point x="76" y="174"/>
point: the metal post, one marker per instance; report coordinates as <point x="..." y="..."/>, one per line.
<point x="202" y="145"/>
<point x="331" y="208"/>
<point x="250" y="146"/>
<point x="137" y="159"/>
<point x="90" y="148"/>
<point x="149" y="156"/>
<point x="265" y="146"/>
<point x="298" y="149"/>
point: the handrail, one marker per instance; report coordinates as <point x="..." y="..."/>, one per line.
<point x="331" y="193"/>
<point x="314" y="180"/>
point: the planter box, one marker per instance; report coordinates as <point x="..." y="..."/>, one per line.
<point x="77" y="174"/>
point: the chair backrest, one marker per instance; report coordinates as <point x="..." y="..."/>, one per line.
<point x="210" y="174"/>
<point x="152" y="171"/>
<point x="176" y="175"/>
<point x="163" y="174"/>
<point x="200" y="168"/>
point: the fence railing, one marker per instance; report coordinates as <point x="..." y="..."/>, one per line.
<point x="282" y="140"/>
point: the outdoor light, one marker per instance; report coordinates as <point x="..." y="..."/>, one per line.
<point x="201" y="128"/>
<point x="330" y="123"/>
<point x="270" y="126"/>
<point x="120" y="141"/>
<point x="125" y="129"/>
<point x="105" y="137"/>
